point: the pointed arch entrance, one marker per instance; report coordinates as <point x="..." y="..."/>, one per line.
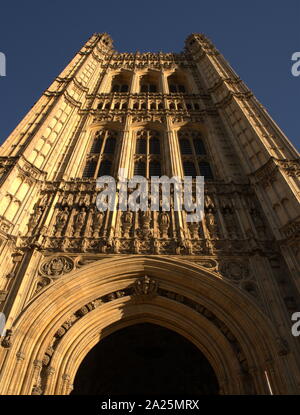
<point x="57" y="330"/>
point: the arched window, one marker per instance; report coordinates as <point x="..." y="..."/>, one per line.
<point x="121" y="82"/>
<point x="148" y="145"/>
<point x="103" y="144"/>
<point x="193" y="149"/>
<point x="149" y="82"/>
<point x="177" y="82"/>
<point x="140" y="169"/>
<point x="105" y="168"/>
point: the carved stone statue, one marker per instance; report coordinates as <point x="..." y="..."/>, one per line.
<point x="209" y="203"/>
<point x="127" y="217"/>
<point x="164" y="219"/>
<point x="212" y="225"/>
<point x="84" y="200"/>
<point x="146" y="218"/>
<point x="34" y="219"/>
<point x="70" y="199"/>
<point x="164" y="223"/>
<point x="126" y="223"/>
<point x="145" y="221"/>
<point x="97" y="221"/>
<point x="61" y="219"/>
<point x="79" y="219"/>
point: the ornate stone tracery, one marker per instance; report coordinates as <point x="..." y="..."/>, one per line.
<point x="57" y="266"/>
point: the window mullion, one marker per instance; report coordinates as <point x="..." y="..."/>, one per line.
<point x="100" y="154"/>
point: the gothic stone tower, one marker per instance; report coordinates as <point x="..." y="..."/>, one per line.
<point x="72" y="276"/>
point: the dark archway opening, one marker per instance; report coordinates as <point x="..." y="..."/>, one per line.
<point x="145" y="359"/>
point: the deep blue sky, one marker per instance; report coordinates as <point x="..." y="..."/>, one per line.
<point x="257" y="37"/>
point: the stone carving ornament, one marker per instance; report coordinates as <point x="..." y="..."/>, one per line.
<point x="57" y="266"/>
<point x="212" y="225"/>
<point x="145" y="287"/>
<point x="234" y="270"/>
<point x="97" y="220"/>
<point x="79" y="219"/>
<point x="126" y="223"/>
<point x="7" y="340"/>
<point x="61" y="219"/>
<point x="43" y="282"/>
<point x="145" y="222"/>
<point x="164" y="223"/>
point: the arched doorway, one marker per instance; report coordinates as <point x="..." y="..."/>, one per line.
<point x="145" y="359"/>
<point x="61" y="325"/>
